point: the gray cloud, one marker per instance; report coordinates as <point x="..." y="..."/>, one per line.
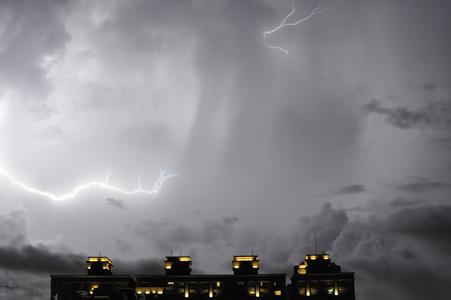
<point x="39" y="259"/>
<point x="123" y="246"/>
<point x="136" y="267"/>
<point x="115" y="203"/>
<point x="349" y="189"/>
<point x="166" y="234"/>
<point x="402" y="202"/>
<point x="435" y="114"/>
<point x="406" y="241"/>
<point x="31" y="33"/>
<point x="423" y="185"/>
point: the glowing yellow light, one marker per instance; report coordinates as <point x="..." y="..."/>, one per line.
<point x="336" y="289"/>
<point x="160" y="291"/>
<point x="307" y="290"/>
<point x="184" y="258"/>
<point x="210" y="292"/>
<point x="278" y="292"/>
<point x="170" y="282"/>
<point x="186" y="292"/>
<point x="326" y="257"/>
<point x="244" y="258"/>
<point x="147" y="292"/>
<point x="218" y="284"/>
<point x="92" y="288"/>
<point x="168" y="265"/>
<point x="255" y="264"/>
<point x="313" y="257"/>
<point x="236" y="265"/>
<point x="98" y="258"/>
<point x="302" y="268"/>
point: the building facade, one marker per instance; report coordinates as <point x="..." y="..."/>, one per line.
<point x="314" y="278"/>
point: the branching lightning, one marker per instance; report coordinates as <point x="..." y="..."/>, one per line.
<point x="164" y="175"/>
<point x="285" y="23"/>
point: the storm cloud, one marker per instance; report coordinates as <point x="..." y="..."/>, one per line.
<point x="192" y="86"/>
<point x="435" y="114"/>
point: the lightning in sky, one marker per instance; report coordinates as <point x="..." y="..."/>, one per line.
<point x="285" y="23"/>
<point x="164" y="175"/>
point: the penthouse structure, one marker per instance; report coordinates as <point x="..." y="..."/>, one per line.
<point x="317" y="277"/>
<point x="99" y="283"/>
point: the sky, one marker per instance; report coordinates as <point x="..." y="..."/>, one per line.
<point x="338" y="126"/>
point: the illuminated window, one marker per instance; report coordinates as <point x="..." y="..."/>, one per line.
<point x="93" y="287"/>
<point x="184" y="258"/>
<point x="244" y="258"/>
<point x="278" y="292"/>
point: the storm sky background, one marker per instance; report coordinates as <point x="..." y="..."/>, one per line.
<point x="347" y="136"/>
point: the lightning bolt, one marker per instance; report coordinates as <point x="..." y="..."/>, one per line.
<point x="285" y="23"/>
<point x="164" y="175"/>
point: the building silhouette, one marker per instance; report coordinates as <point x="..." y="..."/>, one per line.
<point x="99" y="283"/>
<point x="178" y="283"/>
<point x="314" y="278"/>
<point x="318" y="278"/>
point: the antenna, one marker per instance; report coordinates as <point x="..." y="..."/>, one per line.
<point x="316" y="243"/>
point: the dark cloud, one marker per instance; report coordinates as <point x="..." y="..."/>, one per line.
<point x="423" y="185"/>
<point x="39" y="259"/>
<point x="136" y="267"/>
<point x="22" y="285"/>
<point x="123" y="246"/>
<point x="349" y="189"/>
<point x="402" y="202"/>
<point x="115" y="203"/>
<point x="398" y="251"/>
<point x="435" y="114"/>
<point x="429" y="224"/>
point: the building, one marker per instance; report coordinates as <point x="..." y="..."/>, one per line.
<point x="178" y="283"/>
<point x="314" y="278"/>
<point x="99" y="283"/>
<point x="317" y="277"/>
